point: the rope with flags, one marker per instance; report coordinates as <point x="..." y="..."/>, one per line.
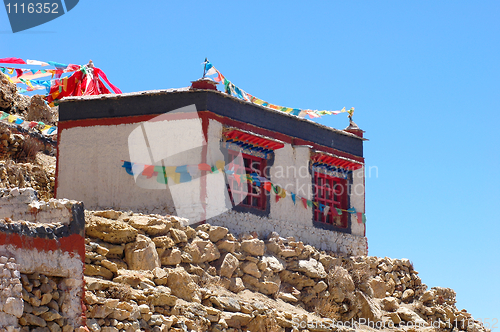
<point x="235" y="91"/>
<point x="85" y="80"/>
<point x="186" y="173"/>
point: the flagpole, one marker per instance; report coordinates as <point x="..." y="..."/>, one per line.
<point x="205" y="68"/>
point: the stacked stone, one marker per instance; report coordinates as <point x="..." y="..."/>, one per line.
<point x="21" y="204"/>
<point x="44" y="300"/>
<point x="149" y="272"/>
<point x="26" y="175"/>
<point x="10" y="144"/>
<point x="11" y="303"/>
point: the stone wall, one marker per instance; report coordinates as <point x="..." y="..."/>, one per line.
<point x="151" y="273"/>
<point x="46" y="241"/>
<point x="239" y="223"/>
<point x="11" y="302"/>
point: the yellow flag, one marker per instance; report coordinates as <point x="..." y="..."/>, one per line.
<point x="220" y="164"/>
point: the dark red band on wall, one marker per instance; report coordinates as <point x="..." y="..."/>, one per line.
<point x="73" y="244"/>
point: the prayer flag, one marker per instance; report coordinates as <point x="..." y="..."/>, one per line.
<point x="149" y="171"/>
<point x="13" y="60"/>
<point x="360" y="217"/>
<point x="304" y="201"/>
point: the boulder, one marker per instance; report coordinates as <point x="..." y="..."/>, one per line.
<point x="163" y="242"/>
<point x="390" y="304"/>
<point x="114" y="250"/>
<point x="287" y="297"/>
<point x="14" y="306"/>
<point x="251" y="269"/>
<point x="183" y="286"/>
<point x="236" y="285"/>
<point x="268" y="287"/>
<point x="395" y="318"/>
<point x="202" y="251"/>
<point x="236" y="319"/>
<point x="320" y="286"/>
<point x="217" y="233"/>
<point x="113" y="267"/>
<point x="227" y="303"/>
<point x="369" y="309"/>
<point x="329" y="262"/>
<point x="378" y="287"/>
<point x="296" y="279"/>
<point x="340" y="278"/>
<point x="229" y="264"/>
<point x="275" y="264"/>
<point x="160" y="295"/>
<point x="112" y="231"/>
<point x="35" y="320"/>
<point x="150" y="225"/>
<point x="311" y="268"/>
<point x="133" y="278"/>
<point x="141" y="254"/>
<point x="410" y="316"/>
<point x="226" y="245"/>
<point x="428" y="296"/>
<point x="408" y="295"/>
<point x="98" y="271"/>
<point x="254" y="247"/>
<point x="178" y="235"/>
<point x="171" y="257"/>
<point x="289" y="252"/>
<point x="109" y="214"/>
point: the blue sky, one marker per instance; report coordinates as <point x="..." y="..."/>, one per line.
<point x="423" y="77"/>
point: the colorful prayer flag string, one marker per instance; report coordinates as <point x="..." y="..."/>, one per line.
<point x="185" y="173"/>
<point x="235" y="91"/>
<point x="45" y="129"/>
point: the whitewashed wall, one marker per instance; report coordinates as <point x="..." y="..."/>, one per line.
<point x="90" y="160"/>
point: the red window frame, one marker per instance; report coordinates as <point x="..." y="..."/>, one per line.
<point x="255" y="196"/>
<point x="333" y="192"/>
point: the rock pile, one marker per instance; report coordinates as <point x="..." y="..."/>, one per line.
<point x="11" y="303"/>
<point x="44" y="300"/>
<point x="149" y="272"/>
<point x="10" y="100"/>
<point x="28" y="175"/>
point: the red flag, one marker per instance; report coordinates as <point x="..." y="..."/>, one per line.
<point x="12" y="60"/>
<point x="149" y="171"/>
<point x="100" y="73"/>
<point x="204" y="167"/>
<point x="219" y="77"/>
<point x="267" y="186"/>
<point x="304" y="201"/>
<point x="360" y="217"/>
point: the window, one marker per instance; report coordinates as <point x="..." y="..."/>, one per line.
<point x="332" y="192"/>
<point x="255" y="195"/>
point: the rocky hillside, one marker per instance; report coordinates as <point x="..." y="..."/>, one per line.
<point x="155" y="273"/>
<point x="151" y="273"/>
<point x="27" y="158"/>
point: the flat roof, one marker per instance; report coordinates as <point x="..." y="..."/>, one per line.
<point x="162" y="101"/>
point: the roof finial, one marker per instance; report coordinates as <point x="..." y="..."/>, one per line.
<point x="350" y="112"/>
<point x="205" y="67"/>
